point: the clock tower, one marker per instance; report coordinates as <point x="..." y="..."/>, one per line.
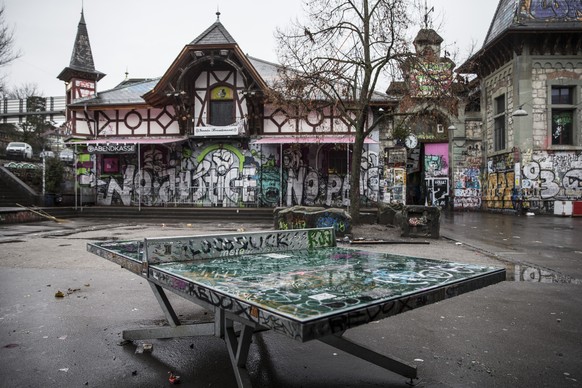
<point x="80" y="76"/>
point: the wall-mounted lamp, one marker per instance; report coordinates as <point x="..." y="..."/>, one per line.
<point x="452" y="128"/>
<point x="224" y="53"/>
<point x="519" y="112"/>
<point x="199" y="53"/>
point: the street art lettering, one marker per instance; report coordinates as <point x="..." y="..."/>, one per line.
<point x="186" y="249"/>
<point x="544" y="178"/>
<point x="548" y="176"/>
<point x="224" y="175"/>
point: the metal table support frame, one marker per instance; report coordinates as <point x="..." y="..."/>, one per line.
<point x="238" y="341"/>
<point x="176" y="328"/>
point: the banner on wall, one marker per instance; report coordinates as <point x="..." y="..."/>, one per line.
<point x="111" y="148"/>
<point x="234" y="129"/>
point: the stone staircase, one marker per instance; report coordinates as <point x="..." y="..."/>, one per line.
<point x="166" y="214"/>
<point x="10" y="194"/>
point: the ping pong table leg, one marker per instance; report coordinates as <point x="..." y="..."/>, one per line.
<point x="238" y="349"/>
<point x="176" y="328"/>
<point x="389" y="363"/>
<point x="165" y="305"/>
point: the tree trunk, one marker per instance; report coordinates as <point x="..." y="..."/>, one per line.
<point x="355" y="173"/>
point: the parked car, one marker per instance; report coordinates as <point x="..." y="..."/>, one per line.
<point x="46" y="154"/>
<point x="19" y="149"/>
<point x="67" y="155"/>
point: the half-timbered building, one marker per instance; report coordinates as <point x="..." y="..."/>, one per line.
<point x="206" y="134"/>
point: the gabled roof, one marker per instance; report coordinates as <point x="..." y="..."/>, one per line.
<point x="215" y="44"/>
<point x="153" y="91"/>
<point x="129" y="92"/>
<point x="81" y="64"/>
<point x="215" y="34"/>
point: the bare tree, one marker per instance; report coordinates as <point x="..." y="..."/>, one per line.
<point x="24" y="91"/>
<point x="34" y="127"/>
<point x="337" y="57"/>
<point x="7" y="51"/>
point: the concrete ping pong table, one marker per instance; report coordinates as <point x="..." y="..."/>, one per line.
<point x="298" y="283"/>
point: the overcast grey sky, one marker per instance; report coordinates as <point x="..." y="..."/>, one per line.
<point x="145" y="36"/>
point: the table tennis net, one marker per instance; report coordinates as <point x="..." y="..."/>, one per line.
<point x="189" y="248"/>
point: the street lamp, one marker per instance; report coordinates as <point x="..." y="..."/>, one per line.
<point x="520" y="112"/>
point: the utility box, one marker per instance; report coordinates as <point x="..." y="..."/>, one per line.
<point x="563" y="208"/>
<point x="577" y="208"/>
<point x="420" y="221"/>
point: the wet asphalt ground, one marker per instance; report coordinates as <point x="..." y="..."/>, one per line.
<point x="524" y="332"/>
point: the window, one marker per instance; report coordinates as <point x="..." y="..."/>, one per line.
<point x="337" y="162"/>
<point x="563" y="114"/>
<point x="221" y="106"/>
<point x="499" y="123"/>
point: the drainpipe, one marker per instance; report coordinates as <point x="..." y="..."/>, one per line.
<point x="140" y="177"/>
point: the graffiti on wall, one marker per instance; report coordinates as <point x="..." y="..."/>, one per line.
<point x="436" y="170"/>
<point x="467" y="188"/>
<point x="543" y="177"/>
<point x="499" y="182"/>
<point x="227" y="175"/>
<point x="467" y="177"/>
<point x="548" y="176"/>
<point x="559" y="10"/>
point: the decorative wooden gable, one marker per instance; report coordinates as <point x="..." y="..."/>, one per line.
<point x="212" y="86"/>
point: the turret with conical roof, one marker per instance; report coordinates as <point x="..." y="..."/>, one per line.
<point x="81" y="76"/>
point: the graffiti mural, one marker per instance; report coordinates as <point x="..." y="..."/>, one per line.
<point x="544" y="177"/>
<point x="499" y="182"/>
<point x="467" y="188"/>
<point x="436" y="170"/>
<point x="226" y="175"/>
<point x="548" y="176"/>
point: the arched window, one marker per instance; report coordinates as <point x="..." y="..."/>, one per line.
<point x="221" y="106"/>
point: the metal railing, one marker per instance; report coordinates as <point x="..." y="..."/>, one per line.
<point x="16" y="110"/>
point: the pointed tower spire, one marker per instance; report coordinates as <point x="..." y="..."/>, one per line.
<point x="81" y="68"/>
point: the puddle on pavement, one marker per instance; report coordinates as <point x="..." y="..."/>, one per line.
<point x="528" y="273"/>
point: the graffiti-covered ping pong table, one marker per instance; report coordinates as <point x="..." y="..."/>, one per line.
<point x="297" y="282"/>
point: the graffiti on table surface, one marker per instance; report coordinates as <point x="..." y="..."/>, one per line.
<point x="314" y="283"/>
<point x="186" y="249"/>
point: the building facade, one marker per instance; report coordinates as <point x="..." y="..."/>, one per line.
<point x="530" y="77"/>
<point x="502" y="131"/>
<point x="205" y="134"/>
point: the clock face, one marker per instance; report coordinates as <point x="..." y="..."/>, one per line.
<point x="411" y="141"/>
